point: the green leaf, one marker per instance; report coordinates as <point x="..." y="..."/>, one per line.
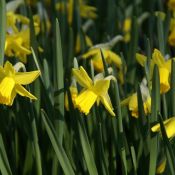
<point x="59" y="84"/>
<point x="2" y="29"/>
<point x="4" y="163"/>
<point x="88" y="155"/>
<point x="60" y="153"/>
<point x="155" y="107"/>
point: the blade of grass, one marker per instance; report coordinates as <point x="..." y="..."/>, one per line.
<point x="4" y="163"/>
<point x="59" y="84"/>
<point x="2" y="29"/>
<point x="155" y="107"/>
<point x="59" y="150"/>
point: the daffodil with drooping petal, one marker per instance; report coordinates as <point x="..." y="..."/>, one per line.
<point x="17" y="41"/>
<point x="11" y="83"/>
<point x="111" y="58"/>
<point x="169" y="127"/>
<point x="163" y="65"/>
<point x="92" y="92"/>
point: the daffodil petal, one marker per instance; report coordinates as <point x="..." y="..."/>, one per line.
<point x="164" y="80"/>
<point x="105" y="101"/>
<point x="115" y="59"/>
<point x="158" y="58"/>
<point x="23" y="92"/>
<point x="101" y="87"/>
<point x="8" y="67"/>
<point x="82" y="77"/>
<point x="141" y="59"/>
<point x="169" y="127"/>
<point x="25" y="78"/>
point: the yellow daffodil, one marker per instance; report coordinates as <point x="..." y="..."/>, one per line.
<point x="18" y="39"/>
<point x="163" y="65"/>
<point x="169" y="127"/>
<point x="92" y="92"/>
<point x="133" y="105"/>
<point x="132" y="102"/>
<point x="161" y="168"/>
<point x="111" y="58"/>
<point x="86" y="11"/>
<point x="171" y="4"/>
<point x="11" y="83"/>
<point x="74" y="94"/>
<point x="126" y="29"/>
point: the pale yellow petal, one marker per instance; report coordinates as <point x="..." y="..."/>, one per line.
<point x="91" y="53"/>
<point x="141" y="59"/>
<point x="82" y="77"/>
<point x="101" y="87"/>
<point x="107" y="104"/>
<point x="158" y="58"/>
<point x="114" y="58"/>
<point x="125" y="101"/>
<point x="25" y="78"/>
<point x="23" y="92"/>
<point x="8" y="68"/>
<point x="169" y="127"/>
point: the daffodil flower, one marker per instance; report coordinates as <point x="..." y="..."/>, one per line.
<point x="11" y="83"/>
<point x="111" y="58"/>
<point x="169" y="127"/>
<point x="92" y="92"/>
<point x="17" y="41"/>
<point x="132" y="101"/>
<point x="163" y="65"/>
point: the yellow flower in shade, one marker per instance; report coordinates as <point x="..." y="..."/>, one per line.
<point x="92" y="92"/>
<point x="86" y="11"/>
<point x="132" y="102"/>
<point x="161" y="168"/>
<point x="74" y="94"/>
<point x="169" y="127"/>
<point x="126" y="29"/>
<point x="11" y="83"/>
<point x="78" y="43"/>
<point x="111" y="58"/>
<point x="171" y="4"/>
<point x="17" y="41"/>
<point x="163" y="65"/>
